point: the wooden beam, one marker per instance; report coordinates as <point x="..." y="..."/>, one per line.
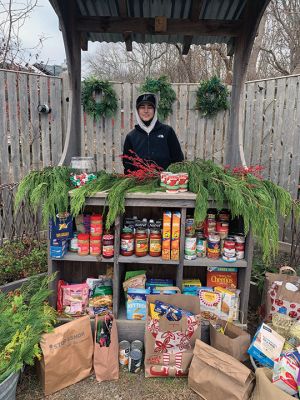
<point x="68" y="13"/>
<point x="147" y="25"/>
<point x="160" y="24"/>
<point x="187" y="41"/>
<point x="195" y="9"/>
<point x="128" y="40"/>
<point x="243" y="45"/>
<point x="123" y="8"/>
<point x="83" y="41"/>
<point x="230" y="47"/>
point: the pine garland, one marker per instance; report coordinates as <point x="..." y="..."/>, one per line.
<point x="212" y="97"/>
<point x="105" y="108"/>
<point x="48" y="188"/>
<point x="166" y="93"/>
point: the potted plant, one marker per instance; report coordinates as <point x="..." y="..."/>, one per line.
<point x="25" y="316"/>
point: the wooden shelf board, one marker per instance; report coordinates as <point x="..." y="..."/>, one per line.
<point x="75" y="257"/>
<point x="208" y="262"/>
<point x="145" y="260"/>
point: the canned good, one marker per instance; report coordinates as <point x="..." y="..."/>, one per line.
<point x="137" y="344"/>
<point x="124" y="350"/>
<point x="189" y="226"/>
<point x="212" y="213"/>
<point x="223" y="229"/>
<point x="74" y="243"/>
<point x="224" y="215"/>
<point x="190" y="248"/>
<point x="163" y="178"/>
<point x="183" y="181"/>
<point x="135" y="361"/>
<point x="239" y="238"/>
<point x="172" y="183"/>
<point x="213" y="246"/>
<point x="201" y="245"/>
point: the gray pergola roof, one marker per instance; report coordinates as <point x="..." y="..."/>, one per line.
<point x="220" y="13"/>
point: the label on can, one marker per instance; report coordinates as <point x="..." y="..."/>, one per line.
<point x="190" y="246"/>
<point x="155" y="245"/>
<point x="108" y="250"/>
<point x="135" y="361"/>
<point x="213" y="247"/>
<point x="201" y="247"/>
<point x="124" y="350"/>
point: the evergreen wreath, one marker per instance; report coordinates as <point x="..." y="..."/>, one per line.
<point x="212" y="97"/>
<point x="166" y="93"/>
<point x="105" y="108"/>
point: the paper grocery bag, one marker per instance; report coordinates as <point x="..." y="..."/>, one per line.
<point x="106" y="359"/>
<point x="67" y="355"/>
<point x="235" y="341"/>
<point x="169" y="344"/>
<point x="265" y="389"/>
<point x="217" y="376"/>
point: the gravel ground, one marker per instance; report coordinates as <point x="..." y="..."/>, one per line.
<point x="128" y="387"/>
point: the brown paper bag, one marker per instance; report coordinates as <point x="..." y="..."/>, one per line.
<point x="268" y="294"/>
<point x="67" y="355"/>
<point x="234" y="341"/>
<point x="166" y="353"/>
<point x="106" y="359"/>
<point x="265" y="389"/>
<point x="217" y="376"/>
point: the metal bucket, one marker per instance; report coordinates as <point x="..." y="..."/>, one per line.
<point x="9" y="386"/>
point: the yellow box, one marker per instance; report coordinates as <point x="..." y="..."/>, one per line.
<point x="175" y="241"/>
<point x="166" y="236"/>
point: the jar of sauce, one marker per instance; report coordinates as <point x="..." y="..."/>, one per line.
<point x="83" y="244"/>
<point x="155" y="243"/>
<point x="108" y="245"/>
<point x="141" y="243"/>
<point x="127" y="242"/>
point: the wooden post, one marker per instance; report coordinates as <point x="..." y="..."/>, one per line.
<point x="243" y="46"/>
<point x="67" y="13"/>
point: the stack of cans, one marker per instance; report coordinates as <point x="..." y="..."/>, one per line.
<point x="131" y="355"/>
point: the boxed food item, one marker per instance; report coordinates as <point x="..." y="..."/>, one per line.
<point x="166" y="236"/>
<point x="58" y="249"/>
<point x="230" y="303"/>
<point x="61" y="228"/>
<point x="171" y="312"/>
<point x="175" y="240"/>
<point x="101" y="300"/>
<point x="136" y="303"/>
<point x="224" y="277"/>
<point x="286" y="371"/>
<point x="266" y="345"/>
<point x="210" y="304"/>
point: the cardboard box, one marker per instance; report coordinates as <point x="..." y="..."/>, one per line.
<point x="285" y="374"/>
<point x="226" y="279"/>
<point x="175" y="239"/>
<point x="266" y="345"/>
<point x="166" y="236"/>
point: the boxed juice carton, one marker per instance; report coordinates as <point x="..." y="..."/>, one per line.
<point x="175" y="238"/>
<point x="266" y="345"/>
<point x="166" y="236"/>
<point x="222" y="277"/>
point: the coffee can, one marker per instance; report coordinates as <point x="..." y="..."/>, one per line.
<point x="137" y="344"/>
<point x="124" y="350"/>
<point x="135" y="361"/>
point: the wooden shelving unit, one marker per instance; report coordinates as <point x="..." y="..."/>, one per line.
<point x="80" y="267"/>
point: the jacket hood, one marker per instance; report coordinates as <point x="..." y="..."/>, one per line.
<point x="140" y="123"/>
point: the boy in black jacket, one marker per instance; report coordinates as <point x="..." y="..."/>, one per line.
<point x="150" y="139"/>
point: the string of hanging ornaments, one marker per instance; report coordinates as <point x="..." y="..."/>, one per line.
<point x="108" y="104"/>
<point x="212" y="97"/>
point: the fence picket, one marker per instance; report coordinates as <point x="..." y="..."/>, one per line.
<point x="24" y="123"/>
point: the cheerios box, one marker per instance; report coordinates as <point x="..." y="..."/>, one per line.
<point x="222" y="277"/>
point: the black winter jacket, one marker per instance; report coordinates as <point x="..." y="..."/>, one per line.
<point x="160" y="145"/>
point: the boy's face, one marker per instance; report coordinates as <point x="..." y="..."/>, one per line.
<point x="146" y="112"/>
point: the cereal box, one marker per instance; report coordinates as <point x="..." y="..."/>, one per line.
<point x="210" y="304"/>
<point x="136" y="303"/>
<point x="166" y="237"/>
<point x="229" y="305"/>
<point x="175" y="239"/>
<point x="226" y="279"/>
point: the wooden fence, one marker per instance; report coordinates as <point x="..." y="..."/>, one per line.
<point x="31" y="140"/>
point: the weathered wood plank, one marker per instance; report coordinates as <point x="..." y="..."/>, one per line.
<point x="45" y="135"/>
<point x="209" y="138"/>
<point x="268" y="127"/>
<point x="24" y="123"/>
<point x="118" y="166"/>
<point x="89" y="135"/>
<point x="83" y="133"/>
<point x="182" y="118"/>
<point x="34" y="121"/>
<point x="295" y="161"/>
<point x="109" y="144"/>
<point x="4" y="159"/>
<point x="218" y="138"/>
<point x="173" y="116"/>
<point x="56" y="119"/>
<point x="126" y="111"/>
<point x="191" y="126"/>
<point x="248" y="126"/>
<point x="258" y="123"/>
<point x="13" y="125"/>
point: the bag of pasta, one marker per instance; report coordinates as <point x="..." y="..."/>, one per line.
<point x="101" y="300"/>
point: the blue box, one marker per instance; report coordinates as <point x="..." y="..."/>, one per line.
<point x="61" y="228"/>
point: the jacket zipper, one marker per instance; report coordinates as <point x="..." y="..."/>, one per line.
<point x="148" y="147"/>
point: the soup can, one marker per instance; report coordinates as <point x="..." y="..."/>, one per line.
<point x="201" y="245"/>
<point x="189" y="226"/>
<point x="213" y="246"/>
<point x="137" y="344"/>
<point x="124" y="350"/>
<point x="135" y="361"/>
<point x="190" y="245"/>
<point x="183" y="181"/>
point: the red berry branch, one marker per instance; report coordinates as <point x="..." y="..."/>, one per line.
<point x="242" y="171"/>
<point x="142" y="169"/>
